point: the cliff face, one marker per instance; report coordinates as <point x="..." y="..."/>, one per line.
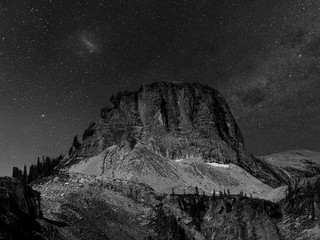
<point x="196" y="216"/>
<point x="175" y="121"/>
<point x="301" y="210"/>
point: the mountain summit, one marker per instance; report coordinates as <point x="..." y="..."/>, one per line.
<point x="176" y="120"/>
<point x="168" y="135"/>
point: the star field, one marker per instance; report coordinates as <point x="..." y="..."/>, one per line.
<point x="60" y="62"/>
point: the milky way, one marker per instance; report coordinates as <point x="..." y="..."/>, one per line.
<point x="60" y="61"/>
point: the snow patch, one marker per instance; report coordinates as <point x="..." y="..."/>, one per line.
<point x="178" y="160"/>
<point x="219" y="165"/>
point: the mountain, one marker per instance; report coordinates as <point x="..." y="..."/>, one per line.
<point x="295" y="164"/>
<point x="172" y="131"/>
<point x="169" y="162"/>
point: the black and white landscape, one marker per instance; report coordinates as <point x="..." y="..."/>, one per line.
<point x="167" y="162"/>
<point x="160" y="119"/>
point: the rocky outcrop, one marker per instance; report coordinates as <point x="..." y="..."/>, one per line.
<point x="21" y="214"/>
<point x="174" y="121"/>
<point x="217" y="217"/>
<point x="14" y="192"/>
<point x="225" y="216"/>
<point x="93" y="208"/>
<point x="89" y="208"/>
<point x="301" y="210"/>
<point x="19" y="207"/>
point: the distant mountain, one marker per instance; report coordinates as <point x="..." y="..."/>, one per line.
<point x="295" y="164"/>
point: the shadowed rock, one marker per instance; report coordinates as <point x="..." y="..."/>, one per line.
<point x="19" y="207"/>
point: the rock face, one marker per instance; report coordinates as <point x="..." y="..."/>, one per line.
<point x="222" y="217"/>
<point x="196" y="216"/>
<point x="19" y="207"/>
<point x="89" y="208"/>
<point x="174" y="121"/>
<point x="301" y="210"/>
<point x="92" y="208"/>
<point x="21" y="214"/>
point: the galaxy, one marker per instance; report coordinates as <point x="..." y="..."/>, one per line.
<point x="83" y="44"/>
<point x="61" y="61"/>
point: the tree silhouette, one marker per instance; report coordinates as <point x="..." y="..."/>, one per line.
<point x="173" y="194"/>
<point x="76" y="142"/>
<point x="16" y="173"/>
<point x="197" y="190"/>
<point x="25" y="174"/>
<point x="41" y="169"/>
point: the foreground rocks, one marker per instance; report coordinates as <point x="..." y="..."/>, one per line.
<point x="77" y="206"/>
<point x="20" y="213"/>
<point x="19" y="207"/>
<point x="92" y="208"/>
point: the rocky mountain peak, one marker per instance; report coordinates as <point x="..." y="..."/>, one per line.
<point x="177" y="120"/>
<point x="174" y="121"/>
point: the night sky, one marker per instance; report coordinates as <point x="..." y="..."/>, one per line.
<point x="60" y="62"/>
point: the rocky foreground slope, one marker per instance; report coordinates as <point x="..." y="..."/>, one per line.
<point x="21" y="214"/>
<point x="93" y="208"/>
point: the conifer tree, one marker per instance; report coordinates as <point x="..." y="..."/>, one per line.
<point x="17" y="173"/>
<point x="173" y="194"/>
<point x="197" y="190"/>
<point x="39" y="166"/>
<point x="25" y="174"/>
